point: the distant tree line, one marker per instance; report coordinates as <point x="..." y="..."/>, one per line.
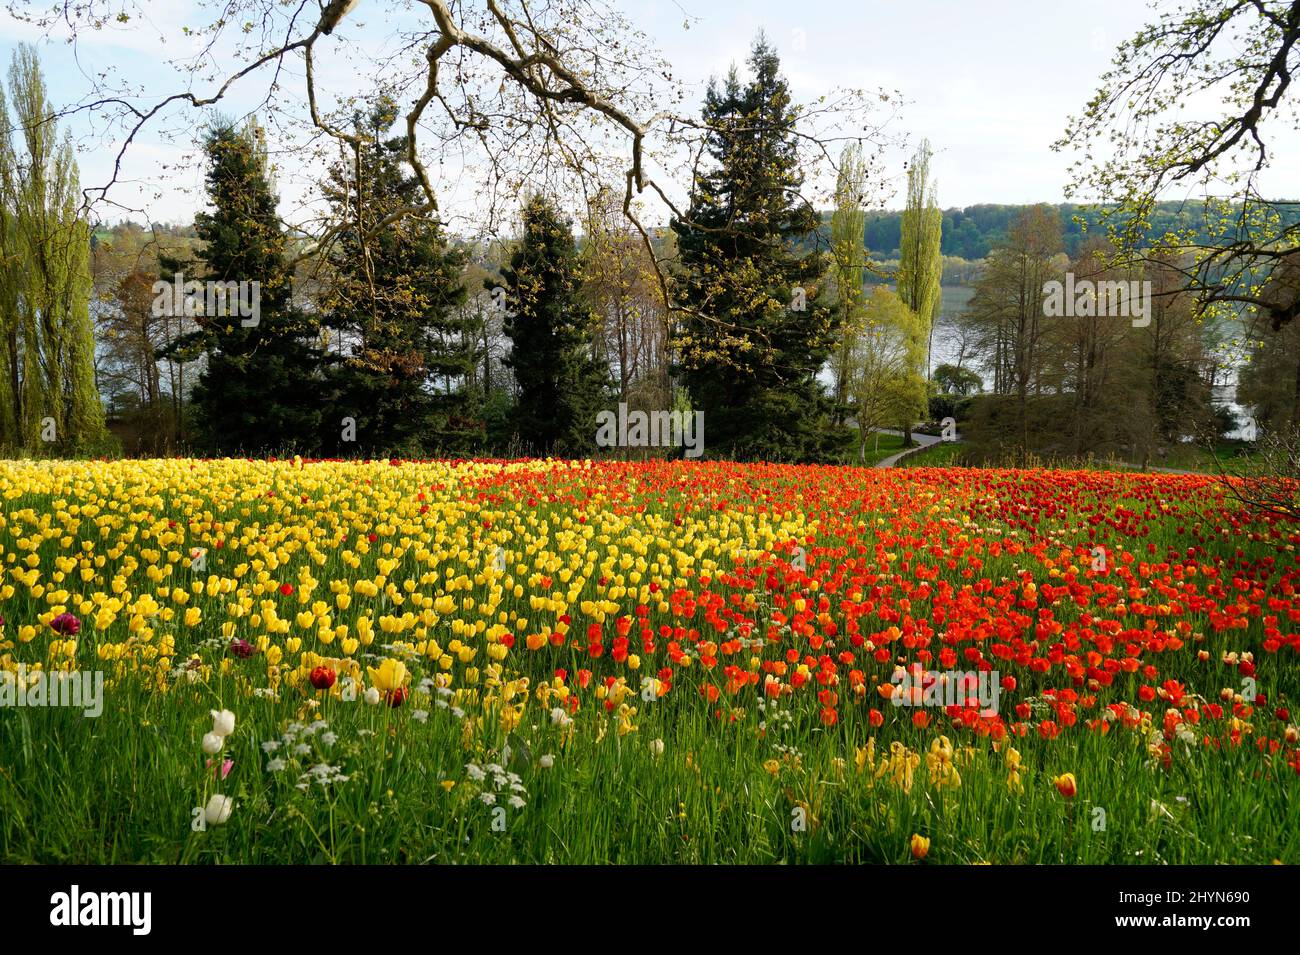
<point x="973" y="232"/>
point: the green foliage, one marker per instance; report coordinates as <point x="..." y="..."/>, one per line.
<point x="951" y="380"/>
<point x="885" y="378"/>
<point x="850" y="258"/>
<point x="561" y="386"/>
<point x="406" y="348"/>
<point x="48" y="400"/>
<point x="920" y="261"/>
<point x="756" y="332"/>
<point x="920" y="266"/>
<point x="971" y="233"/>
<point x="1269" y="384"/>
<point x="260" y="391"/>
<point x="1206" y="82"/>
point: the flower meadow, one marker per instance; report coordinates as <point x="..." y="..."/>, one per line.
<point x="651" y="662"/>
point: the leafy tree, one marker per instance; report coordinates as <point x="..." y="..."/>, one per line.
<point x="848" y="248"/>
<point x="1206" y="84"/>
<point x="48" y="396"/>
<point x="1005" y="314"/>
<point x="920" y="266"/>
<point x="755" y="334"/>
<point x="884" y="374"/>
<point x="561" y="386"/>
<point x="1083" y="353"/>
<point x="260" y="391"/>
<point x="1168" y="389"/>
<point x="952" y="380"/>
<point x="631" y="331"/>
<point x="1269" y="383"/>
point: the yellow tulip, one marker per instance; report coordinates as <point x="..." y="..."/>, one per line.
<point x="389" y="675"/>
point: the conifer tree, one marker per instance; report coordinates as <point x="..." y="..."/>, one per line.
<point x="755" y="334"/>
<point x="261" y="389"/>
<point x="407" y="347"/>
<point x="561" y="386"/>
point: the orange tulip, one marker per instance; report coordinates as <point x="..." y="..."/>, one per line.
<point x="1066" y="785"/>
<point x="920" y="847"/>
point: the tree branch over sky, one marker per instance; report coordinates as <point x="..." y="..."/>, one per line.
<point x="556" y="96"/>
<point x="1187" y="107"/>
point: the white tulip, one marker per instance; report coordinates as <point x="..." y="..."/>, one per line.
<point x="218" y="809"/>
<point x="212" y="743"/>
<point x="546" y="762"/>
<point x="223" y="722"/>
<point x="372" y="695"/>
<point x="657" y="747"/>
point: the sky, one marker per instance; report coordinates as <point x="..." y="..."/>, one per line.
<point x="990" y="84"/>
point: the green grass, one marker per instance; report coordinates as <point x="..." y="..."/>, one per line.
<point x="943" y="454"/>
<point x="879" y="447"/>
<point x="121" y="788"/>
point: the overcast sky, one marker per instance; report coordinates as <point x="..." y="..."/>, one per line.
<point x="989" y="83"/>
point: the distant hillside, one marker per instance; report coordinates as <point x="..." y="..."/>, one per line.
<point x="971" y="232"/>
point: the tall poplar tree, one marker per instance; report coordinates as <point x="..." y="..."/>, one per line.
<point x="47" y="383"/>
<point x="755" y="334"/>
<point x="920" y="265"/>
<point x="849" y="250"/>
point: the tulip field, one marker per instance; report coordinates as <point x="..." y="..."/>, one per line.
<point x="650" y="662"/>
